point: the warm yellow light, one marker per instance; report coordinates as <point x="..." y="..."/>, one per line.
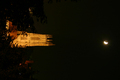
<point x="23" y="39"/>
<point x="105" y="42"/>
<point x="32" y="39"/>
<point x="7" y="24"/>
<point x="7" y="34"/>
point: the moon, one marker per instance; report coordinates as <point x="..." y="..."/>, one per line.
<point x="105" y="42"/>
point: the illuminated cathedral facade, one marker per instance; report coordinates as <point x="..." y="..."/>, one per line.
<point x="22" y="39"/>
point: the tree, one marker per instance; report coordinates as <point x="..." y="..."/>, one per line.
<point x="18" y="12"/>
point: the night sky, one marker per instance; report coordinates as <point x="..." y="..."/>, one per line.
<point x="79" y="30"/>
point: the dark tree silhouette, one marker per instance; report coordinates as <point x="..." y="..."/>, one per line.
<point x="18" y="13"/>
<point x="12" y="60"/>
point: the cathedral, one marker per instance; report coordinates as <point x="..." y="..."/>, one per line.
<point x="22" y="39"/>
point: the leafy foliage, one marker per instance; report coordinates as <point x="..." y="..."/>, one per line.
<point x="10" y="58"/>
<point x="18" y="12"/>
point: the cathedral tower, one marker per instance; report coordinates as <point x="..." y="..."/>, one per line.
<point x="23" y="39"/>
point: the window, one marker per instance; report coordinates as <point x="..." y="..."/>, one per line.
<point x="35" y="38"/>
<point x="23" y="38"/>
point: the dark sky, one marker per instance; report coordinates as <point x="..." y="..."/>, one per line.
<point x="79" y="30"/>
